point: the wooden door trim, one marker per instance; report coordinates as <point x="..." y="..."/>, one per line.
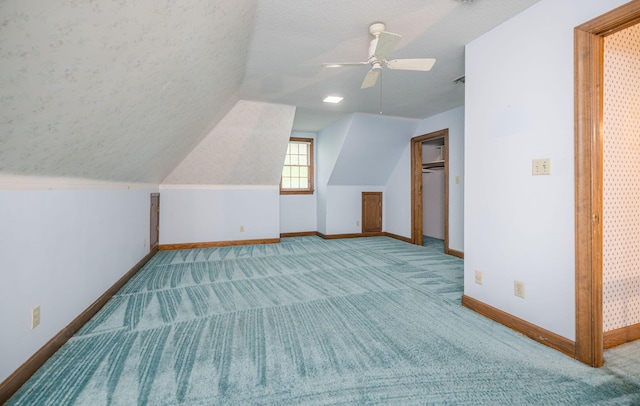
<point x="154" y="233"/>
<point x="589" y="71"/>
<point x="416" y="185"/>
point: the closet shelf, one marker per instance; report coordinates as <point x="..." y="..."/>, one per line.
<point x="433" y="165"/>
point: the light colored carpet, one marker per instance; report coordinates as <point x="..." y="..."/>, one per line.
<point x="309" y="322"/>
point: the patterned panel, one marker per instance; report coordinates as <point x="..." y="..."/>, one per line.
<point x="115" y="90"/>
<point x="621" y="255"/>
<point x="246" y="148"/>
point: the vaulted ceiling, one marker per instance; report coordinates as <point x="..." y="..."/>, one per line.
<point x="125" y="90"/>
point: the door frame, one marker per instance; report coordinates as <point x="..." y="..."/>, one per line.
<point x="589" y="73"/>
<point x="154" y="234"/>
<point x="416" y="186"/>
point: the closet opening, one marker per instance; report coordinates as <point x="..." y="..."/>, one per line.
<point x="430" y="187"/>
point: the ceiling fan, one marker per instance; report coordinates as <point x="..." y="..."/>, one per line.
<point x="381" y="46"/>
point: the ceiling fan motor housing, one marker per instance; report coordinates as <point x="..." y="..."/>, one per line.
<point x="376" y="28"/>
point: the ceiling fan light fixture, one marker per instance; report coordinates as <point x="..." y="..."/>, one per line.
<point x="333" y="99"/>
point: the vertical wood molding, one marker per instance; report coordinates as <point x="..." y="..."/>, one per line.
<point x="588" y="116"/>
<point x="588" y="103"/>
<point x="416" y="191"/>
<point x="445" y="156"/>
<point x="154" y="238"/>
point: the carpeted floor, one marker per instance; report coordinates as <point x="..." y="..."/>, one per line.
<point x="311" y="322"/>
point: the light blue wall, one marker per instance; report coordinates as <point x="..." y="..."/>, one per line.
<point x="371" y="149"/>
<point x="62" y="248"/>
<point x="519" y="106"/>
<point x="397" y="199"/>
<point x="328" y="145"/>
<point x="192" y="214"/>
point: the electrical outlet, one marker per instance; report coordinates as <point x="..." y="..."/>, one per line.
<point x="541" y="166"/>
<point x="518" y="289"/>
<point x="457" y="180"/>
<point x="35" y="317"/>
<point x="242" y="229"/>
<point x="479" y="277"/>
<point x="357" y="224"/>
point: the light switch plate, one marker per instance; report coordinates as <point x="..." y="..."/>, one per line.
<point x="35" y="317"/>
<point x="541" y="166"/>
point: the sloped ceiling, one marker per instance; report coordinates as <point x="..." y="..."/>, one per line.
<point x="115" y="90"/>
<point x="124" y="90"/>
<point x="371" y="149"/>
<point x="247" y="147"/>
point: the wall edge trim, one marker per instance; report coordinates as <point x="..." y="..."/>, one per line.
<point x="217" y="187"/>
<point x="537" y="333"/>
<point x="31" y="182"/>
<point x="352" y="235"/>
<point x="299" y="234"/>
<point x="216" y="244"/>
<point x="398" y="237"/>
<point x="455" y="253"/>
<point x="621" y="335"/>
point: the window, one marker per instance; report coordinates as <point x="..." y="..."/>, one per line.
<point x="297" y="173"/>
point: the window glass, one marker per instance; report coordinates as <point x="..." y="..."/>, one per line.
<point x="297" y="172"/>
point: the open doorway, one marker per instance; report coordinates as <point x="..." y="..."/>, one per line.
<point x="589" y="132"/>
<point x="430" y="155"/>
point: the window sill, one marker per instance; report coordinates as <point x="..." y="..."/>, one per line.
<point x="296" y="192"/>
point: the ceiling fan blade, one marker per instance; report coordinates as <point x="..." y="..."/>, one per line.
<point x="371" y="78"/>
<point x="343" y="64"/>
<point x="421" y="64"/>
<point x="387" y="41"/>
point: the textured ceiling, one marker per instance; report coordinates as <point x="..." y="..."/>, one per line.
<point x="116" y="90"/>
<point x="292" y="38"/>
<point x="247" y="147"/>
<point x="123" y="91"/>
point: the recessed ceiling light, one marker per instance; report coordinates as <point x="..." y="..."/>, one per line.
<point x="333" y="99"/>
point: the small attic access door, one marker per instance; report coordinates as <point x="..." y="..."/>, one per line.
<point x="371" y="212"/>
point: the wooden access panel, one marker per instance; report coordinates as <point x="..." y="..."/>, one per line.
<point x="155" y="220"/>
<point x="371" y="212"/>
